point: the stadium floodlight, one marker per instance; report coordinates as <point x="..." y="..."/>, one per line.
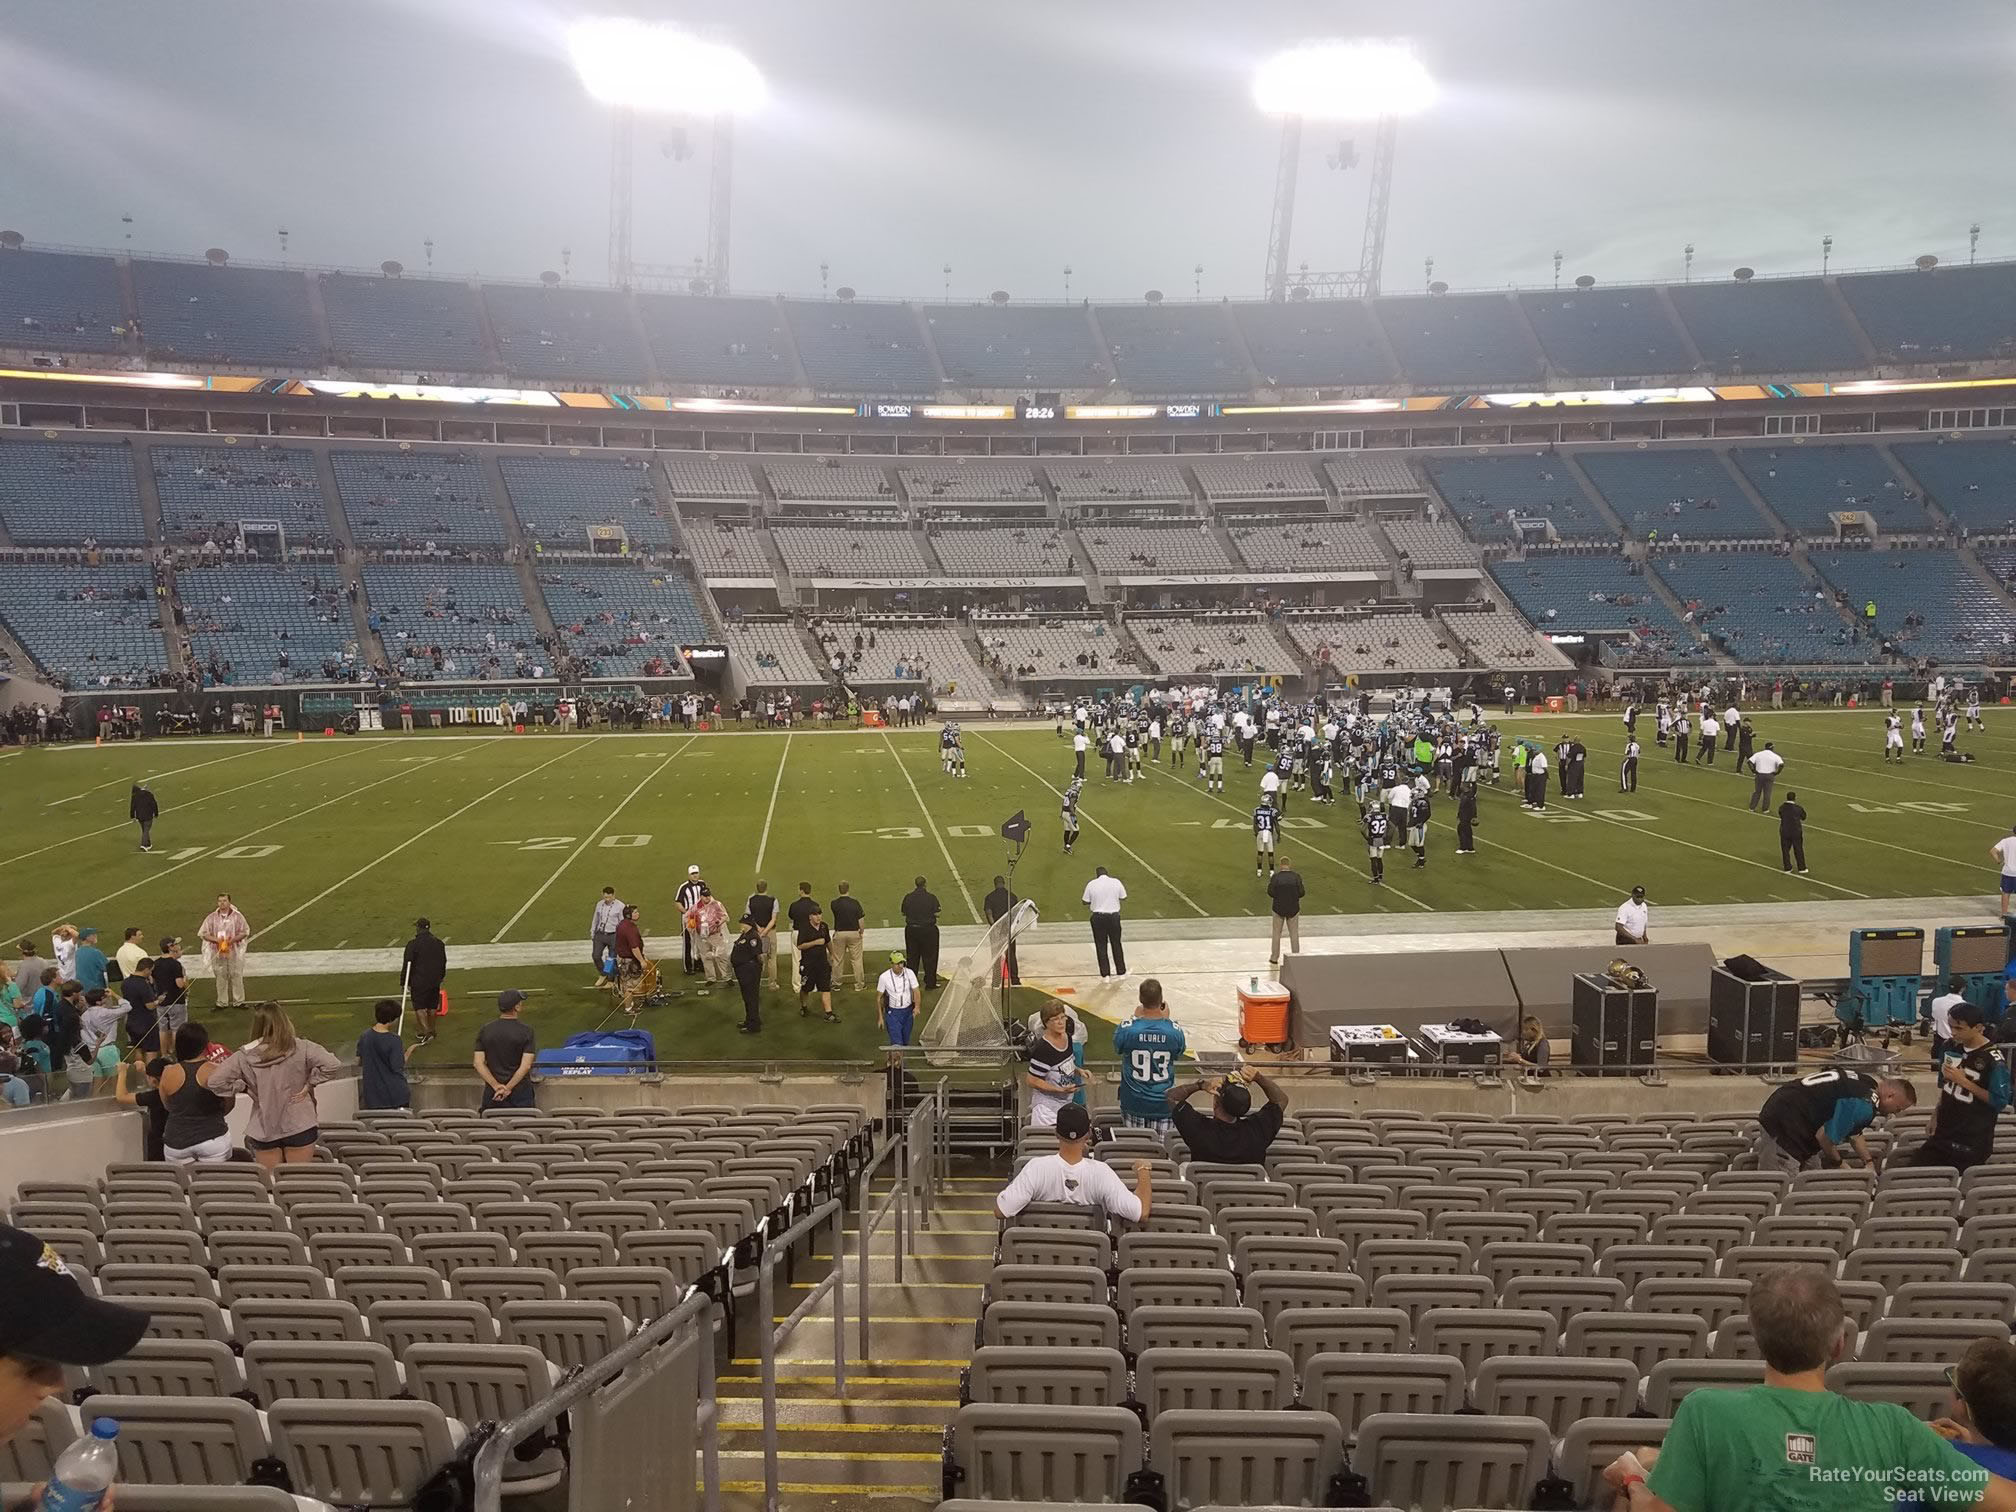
<point x="1367" y="80"/>
<point x="662" y="70"/>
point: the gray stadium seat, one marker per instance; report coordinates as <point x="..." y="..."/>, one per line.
<point x="1642" y="1338"/>
<point x="1252" y="1253"/>
<point x="1213" y="1380"/>
<point x="1502" y="1260"/>
<point x="1308" y="1331"/>
<point x="1894" y="1268"/>
<point x="1557" y="1389"/>
<point x="1003" y="1451"/>
<point x="1034" y="1246"/>
<point x="185" y="1441"/>
<point x="323" y="1370"/>
<point x="1955" y="1299"/>
<point x="477" y="1383"/>
<point x="1195" y="1328"/>
<point x="1564" y="1296"/>
<point x="1272" y="1291"/>
<point x="1148" y="1286"/>
<point x="1414" y="1294"/>
<point x="1048" y="1377"/>
<point x="1351" y="1387"/>
<point x="1709" y="1297"/>
<point x="1050" y="1325"/>
<point x="359" y="1452"/>
<point x="1921" y="1389"/>
<point x="1670" y="1380"/>
<point x="1632" y="1263"/>
<point x="1475" y="1334"/>
<point x="1440" y="1462"/>
<point x="172" y="1367"/>
<point x="1591" y="1444"/>
<point x="1160" y="1249"/>
<point x="1049" y="1283"/>
<point x="1245" y="1458"/>
<point x="1913" y="1341"/>
<point x="192" y="1499"/>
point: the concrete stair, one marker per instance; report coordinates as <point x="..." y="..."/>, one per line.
<point x="1095" y="587"/>
<point x="1671" y="600"/>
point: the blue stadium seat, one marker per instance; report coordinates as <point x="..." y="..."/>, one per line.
<point x="731" y="341"/>
<point x="59" y="493"/>
<point x="1460" y="340"/>
<point x="60" y="301"/>
<point x="261" y="623"/>
<point x="1598" y="593"/>
<point x="1607" y="333"/>
<point x="1760" y="608"/>
<point x="453" y="620"/>
<point x="1015" y="346"/>
<point x="1938" y="316"/>
<point x="1962" y="618"/>
<point x="206" y="490"/>
<point x="1771" y="327"/>
<point x="193" y="312"/>
<point x="1178" y="350"/>
<point x="2001" y="564"/>
<point x="1973" y="481"/>
<point x="87" y="627"/>
<point x="1314" y="343"/>
<point x="624" y="620"/>
<point x="558" y="498"/>
<point x="1684" y="491"/>
<point x="854" y="348"/>
<point x="1486" y="492"/>
<point x="404" y="499"/>
<point x="1805" y="485"/>
<point x="421" y="325"/>
<point x="586" y="336"/>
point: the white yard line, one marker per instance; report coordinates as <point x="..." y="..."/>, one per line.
<point x="943" y="850"/>
<point x="1311" y="847"/>
<point x="1709" y="850"/>
<point x="404" y="771"/>
<point x="419" y="835"/>
<point x="1087" y="818"/>
<point x="157" y="776"/>
<point x="763" y="845"/>
<point x="608" y="819"/>
<point x="220" y="793"/>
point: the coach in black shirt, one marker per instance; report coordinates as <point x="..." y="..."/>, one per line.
<point x="802" y="907"/>
<point x="920" y="933"/>
<point x="998" y="905"/>
<point x="763" y="914"/>
<point x="1792" y="832"/>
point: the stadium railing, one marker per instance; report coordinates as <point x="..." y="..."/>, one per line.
<point x="907" y="1205"/>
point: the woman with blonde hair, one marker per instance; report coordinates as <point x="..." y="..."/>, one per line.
<point x="279" y="1072"/>
<point x="1531" y="1049"/>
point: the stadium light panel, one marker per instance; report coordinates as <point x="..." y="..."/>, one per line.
<point x="662" y="69"/>
<point x="1344" y="81"/>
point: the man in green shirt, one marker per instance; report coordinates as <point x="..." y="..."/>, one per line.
<point x="1791" y="1444"/>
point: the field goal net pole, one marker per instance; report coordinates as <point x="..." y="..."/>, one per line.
<point x="405" y="993"/>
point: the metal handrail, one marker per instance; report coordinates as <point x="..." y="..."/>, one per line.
<point x="770" y="1334"/>
<point x="696" y="1313"/>
<point x="867" y="1222"/>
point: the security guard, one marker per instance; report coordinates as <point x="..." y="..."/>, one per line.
<point x="920" y="932"/>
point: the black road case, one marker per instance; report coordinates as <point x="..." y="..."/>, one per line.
<point x="1754" y="1024"/>
<point x="1616" y="1029"/>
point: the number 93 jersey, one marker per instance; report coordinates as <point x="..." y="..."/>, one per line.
<point x="1148" y="1049"/>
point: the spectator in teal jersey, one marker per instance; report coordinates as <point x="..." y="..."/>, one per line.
<point x="1148" y="1046"/>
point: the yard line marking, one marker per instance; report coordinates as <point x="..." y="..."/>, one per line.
<point x="419" y="835"/>
<point x="609" y="819"/>
<point x="220" y="793"/>
<point x="1313" y="849"/>
<point x="241" y="839"/>
<point x="764" y="844"/>
<point x="1110" y="835"/>
<point x="890" y="746"/>
<point x="1646" y="829"/>
<point x="153" y="777"/>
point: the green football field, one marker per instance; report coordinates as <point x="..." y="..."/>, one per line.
<point x="339" y="843"/>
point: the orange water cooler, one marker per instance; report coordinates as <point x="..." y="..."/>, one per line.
<point x="1263" y="1015"/>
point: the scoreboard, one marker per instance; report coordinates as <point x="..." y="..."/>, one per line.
<point x="1038" y="409"/>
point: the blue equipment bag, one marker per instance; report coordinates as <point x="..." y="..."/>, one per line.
<point x="600" y="1052"/>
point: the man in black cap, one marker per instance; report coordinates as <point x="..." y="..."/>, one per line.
<point x="504" y="1053"/>
<point x="1068" y="1176"/>
<point x="745" y="959"/>
<point x="998" y="904"/>
<point x="47" y="1322"/>
<point x="920" y="933"/>
<point x="422" y="971"/>
<point x="1234" y="1133"/>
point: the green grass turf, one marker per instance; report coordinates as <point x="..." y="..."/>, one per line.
<point x="340" y="843"/>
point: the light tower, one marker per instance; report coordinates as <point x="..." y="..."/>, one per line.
<point x="1367" y="80"/>
<point x="643" y="67"/>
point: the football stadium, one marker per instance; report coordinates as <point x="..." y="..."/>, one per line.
<point x="623" y="892"/>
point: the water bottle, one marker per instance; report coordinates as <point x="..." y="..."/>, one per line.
<point x="85" y="1472"/>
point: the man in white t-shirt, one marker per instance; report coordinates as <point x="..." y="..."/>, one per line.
<point x="1766" y="764"/>
<point x="896" y="995"/>
<point x="1078" y="744"/>
<point x="1103" y="896"/>
<point x="1634" y="919"/>
<point x="1942" y="1017"/>
<point x="1068" y="1176"/>
<point x="2004" y="850"/>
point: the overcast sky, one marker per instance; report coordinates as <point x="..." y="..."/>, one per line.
<point x="1116" y="136"/>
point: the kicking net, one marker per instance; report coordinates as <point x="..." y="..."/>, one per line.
<point x="968" y="1015"/>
